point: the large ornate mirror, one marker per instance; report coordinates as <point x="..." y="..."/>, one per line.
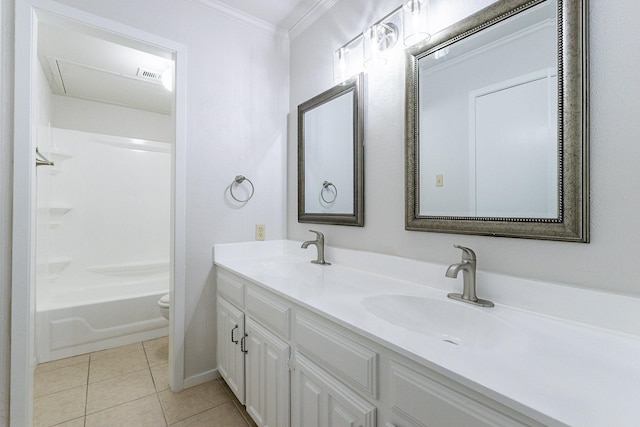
<point x="330" y="156"/>
<point x="497" y="124"/>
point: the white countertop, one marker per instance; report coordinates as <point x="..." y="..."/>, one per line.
<point x="581" y="370"/>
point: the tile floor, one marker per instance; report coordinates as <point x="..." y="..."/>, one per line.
<point x="127" y="386"/>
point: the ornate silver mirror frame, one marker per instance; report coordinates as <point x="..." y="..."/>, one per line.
<point x="572" y="221"/>
<point x="337" y="180"/>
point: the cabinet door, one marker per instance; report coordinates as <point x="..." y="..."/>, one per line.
<point x="267" y="372"/>
<point x="424" y="401"/>
<point x="319" y="400"/>
<point x="230" y="355"/>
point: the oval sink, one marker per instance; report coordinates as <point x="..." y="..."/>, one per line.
<point x="449" y="321"/>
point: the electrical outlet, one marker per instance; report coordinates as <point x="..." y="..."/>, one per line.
<point x="260" y="231"/>
<point x="439" y="180"/>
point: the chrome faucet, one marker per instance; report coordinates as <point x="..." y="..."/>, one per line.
<point x="319" y="244"/>
<point x="468" y="267"/>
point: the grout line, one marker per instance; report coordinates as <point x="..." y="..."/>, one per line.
<point x="116" y="354"/>
<point x="118" y="376"/>
<point x="155" y="389"/>
<point x="153" y="380"/>
<point x="166" y="421"/>
<point x="47" y="369"/>
<point x="218" y="381"/>
<point x="239" y="406"/>
<point x="147" y="369"/>
<point x="146" y="356"/>
<point x="120" y="404"/>
<point x="86" y="395"/>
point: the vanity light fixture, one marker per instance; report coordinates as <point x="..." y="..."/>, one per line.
<point x="341" y="64"/>
<point x="376" y="41"/>
<point x="347" y="60"/>
<point x="440" y="53"/>
<point x="415" y="22"/>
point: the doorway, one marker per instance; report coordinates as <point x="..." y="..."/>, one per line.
<point x="31" y="17"/>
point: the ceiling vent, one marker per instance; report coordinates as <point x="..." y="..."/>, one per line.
<point x="149" y="75"/>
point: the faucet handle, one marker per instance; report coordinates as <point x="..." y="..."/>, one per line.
<point x="319" y="235"/>
<point x="467" y="254"/>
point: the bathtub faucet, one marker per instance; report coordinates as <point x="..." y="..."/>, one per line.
<point x="319" y="244"/>
<point x="468" y="267"/>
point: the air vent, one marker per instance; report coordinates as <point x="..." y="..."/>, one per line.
<point x="148" y="74"/>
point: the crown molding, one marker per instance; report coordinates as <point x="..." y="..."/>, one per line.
<point x="319" y="9"/>
<point x="241" y="16"/>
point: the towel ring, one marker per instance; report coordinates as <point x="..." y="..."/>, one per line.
<point x="325" y="187"/>
<point x="239" y="179"/>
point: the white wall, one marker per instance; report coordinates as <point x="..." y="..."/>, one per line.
<point x="609" y="262"/>
<point x="107" y="119"/>
<point x="237" y="102"/>
<point x="237" y="105"/>
<point x="6" y="182"/>
<point x="117" y="193"/>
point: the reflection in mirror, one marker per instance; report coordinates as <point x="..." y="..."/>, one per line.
<point x="328" y="156"/>
<point x="330" y="172"/>
<point x="491" y="148"/>
<point x="489" y="113"/>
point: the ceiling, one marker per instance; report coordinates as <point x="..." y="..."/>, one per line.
<point x="283" y="14"/>
<point x="85" y="63"/>
<point x="87" y="66"/>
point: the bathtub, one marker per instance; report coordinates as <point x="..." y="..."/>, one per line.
<point x="102" y="256"/>
<point x="81" y="320"/>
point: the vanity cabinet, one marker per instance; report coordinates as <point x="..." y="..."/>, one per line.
<point x="231" y="358"/>
<point x="320" y="400"/>
<point x="292" y="366"/>
<point x="253" y="351"/>
<point x="348" y="358"/>
<point x="333" y="377"/>
<point x="267" y="376"/>
<point x="420" y="398"/>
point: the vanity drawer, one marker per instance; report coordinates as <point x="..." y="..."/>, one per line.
<point x="269" y="310"/>
<point x="231" y="287"/>
<point x="350" y="361"/>
<point x="424" y="401"/>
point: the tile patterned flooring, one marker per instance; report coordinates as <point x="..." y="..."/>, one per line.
<point x="127" y="386"/>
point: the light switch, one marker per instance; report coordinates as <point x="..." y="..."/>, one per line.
<point x="439" y="181"/>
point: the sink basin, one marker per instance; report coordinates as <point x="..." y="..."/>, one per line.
<point x="444" y="320"/>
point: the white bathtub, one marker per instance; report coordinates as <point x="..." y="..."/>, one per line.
<point x="81" y="320"/>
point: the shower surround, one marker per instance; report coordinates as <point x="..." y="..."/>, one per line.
<point x="103" y="241"/>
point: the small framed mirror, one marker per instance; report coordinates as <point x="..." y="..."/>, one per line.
<point x="497" y="124"/>
<point x="330" y="156"/>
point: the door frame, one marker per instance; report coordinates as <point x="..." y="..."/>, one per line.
<point x="24" y="207"/>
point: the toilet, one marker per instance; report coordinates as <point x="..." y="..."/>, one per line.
<point x="163" y="304"/>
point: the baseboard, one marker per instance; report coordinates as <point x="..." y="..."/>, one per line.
<point x="201" y="378"/>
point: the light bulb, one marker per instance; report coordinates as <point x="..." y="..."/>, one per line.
<point x="415" y="23"/>
<point x="340" y="65"/>
<point x="377" y="40"/>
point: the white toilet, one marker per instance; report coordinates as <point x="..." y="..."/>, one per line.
<point x="163" y="304"/>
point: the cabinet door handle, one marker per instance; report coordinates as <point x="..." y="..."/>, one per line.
<point x="242" y="345"/>
<point x="233" y="329"/>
